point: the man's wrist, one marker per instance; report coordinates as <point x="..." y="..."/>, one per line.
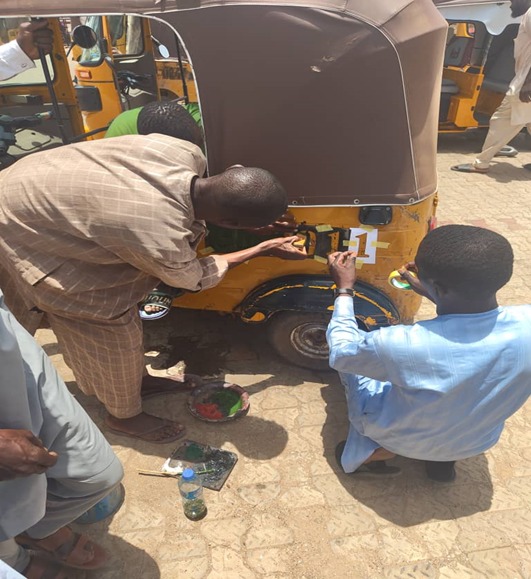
<point x="344" y="291"/>
<point x="263" y="248"/>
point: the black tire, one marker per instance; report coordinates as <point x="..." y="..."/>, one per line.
<point x="299" y="338"/>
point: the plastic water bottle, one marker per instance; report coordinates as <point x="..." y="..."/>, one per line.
<point x="191" y="491"/>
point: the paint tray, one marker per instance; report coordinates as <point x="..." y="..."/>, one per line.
<point x="212" y="465"/>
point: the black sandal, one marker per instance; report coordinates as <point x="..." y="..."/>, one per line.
<point x="441" y="472"/>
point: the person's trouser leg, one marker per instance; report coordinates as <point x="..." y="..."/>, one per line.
<point x="13" y="555"/>
<point x="87" y="468"/>
<point x="358" y="447"/>
<point x="500" y="133"/>
<point x="67" y="499"/>
<point x="107" y="358"/>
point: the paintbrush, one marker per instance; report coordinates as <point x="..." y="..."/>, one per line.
<point x="169" y="474"/>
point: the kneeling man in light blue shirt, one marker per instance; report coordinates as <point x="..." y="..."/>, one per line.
<point x="438" y="390"/>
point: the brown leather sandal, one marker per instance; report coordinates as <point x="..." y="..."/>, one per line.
<point x="69" y="548"/>
<point x="161" y="434"/>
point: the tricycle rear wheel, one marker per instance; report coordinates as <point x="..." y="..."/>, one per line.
<point x="300" y="338"/>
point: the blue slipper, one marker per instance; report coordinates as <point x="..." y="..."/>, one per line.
<point x="507" y="152"/>
<point x="468" y="168"/>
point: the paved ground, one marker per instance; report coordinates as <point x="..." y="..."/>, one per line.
<point x="286" y="511"/>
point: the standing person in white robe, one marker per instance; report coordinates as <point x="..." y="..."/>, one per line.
<point x="54" y="462"/>
<point x="514" y="113"/>
<point x="18" y="55"/>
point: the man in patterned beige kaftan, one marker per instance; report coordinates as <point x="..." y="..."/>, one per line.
<point x="87" y="230"/>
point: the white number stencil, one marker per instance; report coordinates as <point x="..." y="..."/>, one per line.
<point x="364" y="241"/>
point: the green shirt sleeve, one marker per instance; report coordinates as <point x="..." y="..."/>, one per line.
<point x="125" y="123"/>
<point x="195" y="111"/>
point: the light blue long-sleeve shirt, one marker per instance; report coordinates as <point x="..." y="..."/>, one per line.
<point x="437" y="390"/>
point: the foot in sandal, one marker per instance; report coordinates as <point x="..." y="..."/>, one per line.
<point x="69" y="548"/>
<point x="146" y="427"/>
<point x="469" y="168"/>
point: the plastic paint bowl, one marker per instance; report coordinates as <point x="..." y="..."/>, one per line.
<point x="395" y="280"/>
<point x="104" y="508"/>
<point x="218" y="402"/>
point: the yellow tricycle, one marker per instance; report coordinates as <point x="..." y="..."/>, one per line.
<point x="340" y="100"/>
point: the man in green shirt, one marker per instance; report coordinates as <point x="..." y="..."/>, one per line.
<point x="124" y="124"/>
<point x="164" y="117"/>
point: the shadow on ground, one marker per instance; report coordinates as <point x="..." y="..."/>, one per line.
<point x="126" y="560"/>
<point x="470" y="143"/>
<point x="198" y="342"/>
<point x="199" y="338"/>
<point x="409" y="498"/>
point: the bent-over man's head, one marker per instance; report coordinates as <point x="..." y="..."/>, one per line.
<point x="239" y="198"/>
<point x="169" y="118"/>
<point x="471" y="262"/>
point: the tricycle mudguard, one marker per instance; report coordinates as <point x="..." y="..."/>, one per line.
<point x="308" y="293"/>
